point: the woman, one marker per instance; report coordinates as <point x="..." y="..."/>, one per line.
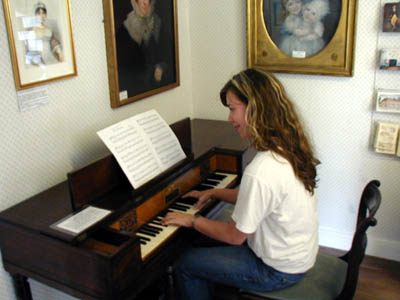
<point x="45" y="48"/>
<point x="143" y="52"/>
<point x="273" y="232"/>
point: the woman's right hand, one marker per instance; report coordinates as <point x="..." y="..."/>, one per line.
<point x="202" y="196"/>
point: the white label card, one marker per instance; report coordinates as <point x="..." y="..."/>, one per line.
<point x="83" y="220"/>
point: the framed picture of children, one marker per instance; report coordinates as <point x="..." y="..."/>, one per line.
<point x="302" y="36"/>
<point x="40" y="40"/>
<point x="391" y="17"/>
<point x="142" y="48"/>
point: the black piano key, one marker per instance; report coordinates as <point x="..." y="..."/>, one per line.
<point x="216" y="176"/>
<point x="201" y="187"/>
<point x="161" y="215"/>
<point x="146" y="232"/>
<point x="142" y="242"/>
<point x="210" y="182"/>
<point x="158" y="223"/>
<point x="180" y="207"/>
<point x="188" y="200"/>
<point x="157" y="229"/>
<point x="142" y="238"/>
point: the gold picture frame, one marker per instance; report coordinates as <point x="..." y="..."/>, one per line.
<point x="40" y="40"/>
<point x="266" y="22"/>
<point x="134" y="58"/>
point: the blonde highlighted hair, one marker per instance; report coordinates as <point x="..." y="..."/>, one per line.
<point x="272" y="121"/>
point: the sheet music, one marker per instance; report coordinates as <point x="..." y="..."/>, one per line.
<point x="144" y="146"/>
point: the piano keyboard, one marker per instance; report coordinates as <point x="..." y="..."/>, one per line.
<point x="154" y="234"/>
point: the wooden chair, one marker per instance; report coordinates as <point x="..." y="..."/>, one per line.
<point x="332" y="278"/>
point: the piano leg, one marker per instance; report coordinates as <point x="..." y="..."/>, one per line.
<point x="22" y="287"/>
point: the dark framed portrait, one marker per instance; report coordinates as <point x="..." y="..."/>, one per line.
<point x="301" y="36"/>
<point x="142" y="48"/>
<point x="391" y="15"/>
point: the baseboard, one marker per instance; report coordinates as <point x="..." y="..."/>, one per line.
<point x="336" y="239"/>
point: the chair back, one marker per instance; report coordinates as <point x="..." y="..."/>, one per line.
<point x="369" y="204"/>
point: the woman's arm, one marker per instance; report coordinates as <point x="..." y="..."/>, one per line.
<point x="226" y="195"/>
<point x="225" y="232"/>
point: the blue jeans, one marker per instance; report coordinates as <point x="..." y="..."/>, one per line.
<point x="236" y="266"/>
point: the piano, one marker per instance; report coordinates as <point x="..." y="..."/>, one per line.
<point x="124" y="253"/>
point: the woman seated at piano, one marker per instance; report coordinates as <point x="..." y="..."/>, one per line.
<point x="272" y="237"/>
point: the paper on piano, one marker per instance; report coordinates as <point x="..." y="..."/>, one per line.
<point x="144" y="146"/>
<point x="82" y="220"/>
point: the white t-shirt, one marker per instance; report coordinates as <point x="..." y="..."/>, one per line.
<point x="280" y="215"/>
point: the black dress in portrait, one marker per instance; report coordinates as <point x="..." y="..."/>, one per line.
<point x="143" y="44"/>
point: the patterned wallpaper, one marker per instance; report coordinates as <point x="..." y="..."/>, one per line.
<point x="40" y="146"/>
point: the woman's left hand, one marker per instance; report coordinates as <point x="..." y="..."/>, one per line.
<point x="178" y="219"/>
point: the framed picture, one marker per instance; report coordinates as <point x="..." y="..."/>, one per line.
<point x="391" y="15"/>
<point x="301" y="36"/>
<point x="40" y="39"/>
<point x="142" y="48"/>
<point x="388" y="101"/>
<point x="389" y="59"/>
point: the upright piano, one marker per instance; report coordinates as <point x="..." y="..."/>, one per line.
<point x="121" y="255"/>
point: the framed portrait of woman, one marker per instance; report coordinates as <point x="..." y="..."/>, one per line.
<point x="301" y="36"/>
<point x="40" y="40"/>
<point x="142" y="48"/>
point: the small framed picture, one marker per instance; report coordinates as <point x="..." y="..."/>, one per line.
<point x="391" y="15"/>
<point x="389" y="59"/>
<point x="40" y="40"/>
<point x="388" y="101"/>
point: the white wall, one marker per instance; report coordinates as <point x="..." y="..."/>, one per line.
<point x="39" y="147"/>
<point x="336" y="110"/>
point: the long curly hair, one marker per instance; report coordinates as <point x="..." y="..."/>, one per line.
<point x="272" y="122"/>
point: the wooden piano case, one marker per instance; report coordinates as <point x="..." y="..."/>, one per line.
<point x="106" y="263"/>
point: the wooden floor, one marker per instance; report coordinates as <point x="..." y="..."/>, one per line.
<point x="379" y="278"/>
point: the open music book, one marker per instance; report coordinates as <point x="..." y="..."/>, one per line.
<point x="144" y="146"/>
